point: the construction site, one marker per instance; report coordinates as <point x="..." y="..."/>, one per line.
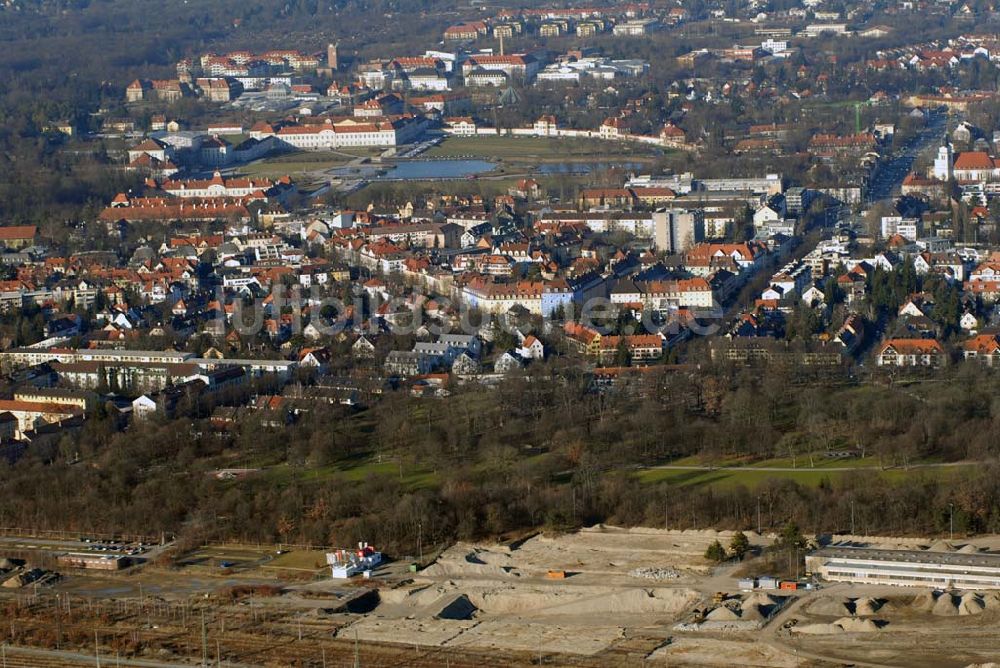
<point x="602" y="596"/>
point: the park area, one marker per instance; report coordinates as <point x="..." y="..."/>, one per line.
<point x="540" y="150"/>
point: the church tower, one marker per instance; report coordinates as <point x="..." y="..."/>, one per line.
<point x="331" y="57"/>
<point x="943" y="163"/>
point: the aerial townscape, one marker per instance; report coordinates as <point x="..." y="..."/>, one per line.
<point x="499" y="333"/>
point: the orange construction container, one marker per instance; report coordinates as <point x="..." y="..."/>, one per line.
<point x="787" y="584"/>
<point x="556" y="575"/>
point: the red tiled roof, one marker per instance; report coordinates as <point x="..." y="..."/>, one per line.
<point x="974" y="160"/>
<point x="18" y="232"/>
<point x="913" y="346"/>
<point x="984" y="344"/>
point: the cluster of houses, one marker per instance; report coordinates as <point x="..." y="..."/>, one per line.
<point x="835" y="279"/>
<point x="364" y="300"/>
<point x="628" y="20"/>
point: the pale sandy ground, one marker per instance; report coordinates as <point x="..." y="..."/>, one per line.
<point x="602" y="550"/>
<point x="497" y="597"/>
<point x="958" y="544"/>
<point x="892" y="626"/>
<point x="690" y="651"/>
<point x="521" y="634"/>
<point x="529" y="615"/>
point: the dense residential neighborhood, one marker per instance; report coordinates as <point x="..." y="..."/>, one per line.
<point x="551" y="333"/>
<point x="863" y="238"/>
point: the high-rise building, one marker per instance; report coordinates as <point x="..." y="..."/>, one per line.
<point x="676" y="230"/>
<point x="331" y="56"/>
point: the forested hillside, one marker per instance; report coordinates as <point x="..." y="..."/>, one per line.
<point x="538" y="453"/>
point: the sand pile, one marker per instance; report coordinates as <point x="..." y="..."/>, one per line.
<point x="7" y="564"/>
<point x="754" y="608"/>
<point x="969" y="549"/>
<point x="817" y="629"/>
<point x="754" y="613"/>
<point x="406" y="596"/>
<point x="417" y="597"/>
<point x="761" y="598"/>
<point x="459" y="607"/>
<point x="855" y="625"/>
<point x="764" y="603"/>
<point x="842" y="625"/>
<point x="971" y="604"/>
<point x="924" y="602"/>
<point x="866" y="606"/>
<point x="830" y="607"/>
<point x="723" y="614"/>
<point x="713" y="652"/>
<point x="941" y="546"/>
<point x="463" y="560"/>
<point x="946" y="605"/>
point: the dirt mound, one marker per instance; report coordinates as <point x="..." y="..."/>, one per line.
<point x="992" y="599"/>
<point x="941" y="546"/>
<point x="842" y="625"/>
<point x="401" y="595"/>
<point x="762" y="604"/>
<point x="971" y="604"/>
<point x="830" y="607"/>
<point x="969" y="549"/>
<point x="580" y="600"/>
<point x="946" y="605"/>
<point x="723" y="614"/>
<point x="866" y="606"/>
<point x="459" y="608"/>
<point x="856" y="625"/>
<point x="817" y="629"/>
<point x="925" y="601"/>
<point x="417" y="597"/>
<point x="631" y="601"/>
<point x="7" y="564"/>
<point x="754" y="613"/>
<point x="465" y="559"/>
<point x="760" y="598"/>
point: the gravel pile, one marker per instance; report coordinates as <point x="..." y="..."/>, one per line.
<point x="655" y="573"/>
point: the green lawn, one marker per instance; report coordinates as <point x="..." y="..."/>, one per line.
<point x="305" y="560"/>
<point x="354" y="470"/>
<point x="301" y="162"/>
<point x="537" y="149"/>
<point x="805" y="476"/>
<point x="276" y="169"/>
<point x="802" y="461"/>
<point x="729" y="478"/>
